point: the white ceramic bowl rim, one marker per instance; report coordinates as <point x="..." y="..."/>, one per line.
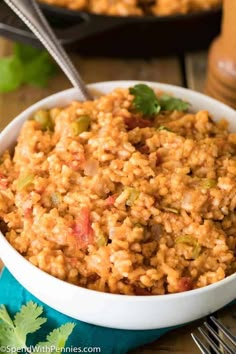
<point x="141" y="298"/>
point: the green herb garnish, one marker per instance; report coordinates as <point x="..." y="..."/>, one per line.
<point x="14" y="332"/>
<point x="146" y="101"/>
<point x="26" y="65"/>
<point x="28" y="320"/>
<point x="169" y="103"/>
<point x="56" y="339"/>
<point x="11" y="74"/>
<point x="162" y="127"/>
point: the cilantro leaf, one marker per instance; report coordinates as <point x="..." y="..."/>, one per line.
<point x="6" y="327"/>
<point x="56" y="339"/>
<point x="26" y="65"/>
<point x="7" y="336"/>
<point x="169" y="103"/>
<point x="40" y="70"/>
<point x="25" y="52"/>
<point x="13" y="333"/>
<point x="145" y="100"/>
<point x="11" y="74"/>
<point x="27" y="320"/>
<point x="39" y="66"/>
<point x="162" y="127"/>
<point x="4" y="316"/>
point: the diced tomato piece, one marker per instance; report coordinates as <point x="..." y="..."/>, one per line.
<point x="93" y="277"/>
<point x="27" y="207"/>
<point x="111" y="200"/>
<point x="144" y="149"/>
<point x="28" y="212"/>
<point x="3" y="181"/>
<point x="141" y="291"/>
<point x="40" y="190"/>
<point x="135" y="122"/>
<point x="82" y="229"/>
<point x="3" y="227"/>
<point x="185" y="284"/>
<point x="159" y="159"/>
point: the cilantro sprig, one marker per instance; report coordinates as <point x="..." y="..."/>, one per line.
<point x="146" y="101"/>
<point x="57" y="338"/>
<point x="170" y="103"/>
<point x="26" y="65"/>
<point x="14" y="332"/>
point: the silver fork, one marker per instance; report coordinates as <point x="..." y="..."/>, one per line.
<point x="222" y="347"/>
<point x="30" y="13"/>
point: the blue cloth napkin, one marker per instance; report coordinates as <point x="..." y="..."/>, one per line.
<point x="110" y="341"/>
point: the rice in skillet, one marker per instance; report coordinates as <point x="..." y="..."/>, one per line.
<point x="106" y="198"/>
<point x="137" y="7"/>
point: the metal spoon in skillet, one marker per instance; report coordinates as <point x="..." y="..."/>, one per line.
<point x="29" y="12"/>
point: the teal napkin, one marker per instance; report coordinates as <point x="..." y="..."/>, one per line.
<point x="110" y="341"/>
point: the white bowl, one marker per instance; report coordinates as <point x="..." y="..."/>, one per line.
<point x="110" y="310"/>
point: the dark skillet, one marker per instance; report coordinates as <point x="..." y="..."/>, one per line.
<point x="144" y="36"/>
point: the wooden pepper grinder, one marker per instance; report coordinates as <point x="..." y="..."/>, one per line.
<point x="221" y="76"/>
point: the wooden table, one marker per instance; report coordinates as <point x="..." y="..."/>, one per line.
<point x="168" y="70"/>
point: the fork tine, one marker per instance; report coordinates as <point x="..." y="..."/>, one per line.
<point x="209" y="341"/>
<point x="217" y="337"/>
<point x="224" y="330"/>
<point x="200" y="345"/>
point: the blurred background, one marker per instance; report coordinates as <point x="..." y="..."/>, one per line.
<point x="156" y="40"/>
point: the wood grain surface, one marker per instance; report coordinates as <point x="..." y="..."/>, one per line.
<point x="196" y="67"/>
<point x="92" y="70"/>
<point x="103" y="69"/>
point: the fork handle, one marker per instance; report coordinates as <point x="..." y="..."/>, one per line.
<point x="32" y="16"/>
